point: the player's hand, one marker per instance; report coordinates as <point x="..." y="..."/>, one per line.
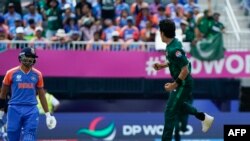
<point x="170" y="86"/>
<point x="158" y="66"/>
<point x="50" y="121"/>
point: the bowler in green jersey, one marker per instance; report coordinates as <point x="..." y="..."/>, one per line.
<point x="182" y="86"/>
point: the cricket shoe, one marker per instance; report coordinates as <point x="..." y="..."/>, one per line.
<point x="207" y="122"/>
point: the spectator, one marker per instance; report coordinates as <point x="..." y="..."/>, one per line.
<point x="16" y="5"/>
<point x="96" y="9"/>
<point x="190" y="32"/>
<point x="11" y="15"/>
<point x="30" y="29"/>
<point x="148" y="33"/>
<point x="3" y="40"/>
<point x="120" y="6"/>
<point x="38" y="34"/>
<point x="39" y="42"/>
<point x="122" y="19"/>
<point x="89" y="28"/>
<point x="139" y="46"/>
<point x="86" y="13"/>
<point x="19" y="34"/>
<point x="143" y="17"/>
<point x="71" y="2"/>
<point x="160" y="15"/>
<point x="177" y="19"/>
<point x="62" y="38"/>
<point x="110" y="28"/>
<point x="127" y="32"/>
<point x="184" y="29"/>
<point x="136" y="7"/>
<point x="173" y="8"/>
<point x="153" y="8"/>
<point x="95" y="44"/>
<point x="108" y="9"/>
<point x="218" y="27"/>
<point x="43" y="6"/>
<point x="53" y="15"/>
<point x="190" y="6"/>
<point x="115" y="43"/>
<point x="18" y="22"/>
<point x="63" y="3"/>
<point x="183" y="2"/>
<point x="3" y="26"/>
<point x="79" y="6"/>
<point x="205" y="24"/>
<point x="75" y="35"/>
<point x="3" y="36"/>
<point x="197" y="14"/>
<point x="20" y="37"/>
<point x="67" y="14"/>
<point x="70" y="25"/>
<point x="32" y="14"/>
<point x="52" y="102"/>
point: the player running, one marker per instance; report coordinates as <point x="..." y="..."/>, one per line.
<point x="180" y="70"/>
<point x="23" y="115"/>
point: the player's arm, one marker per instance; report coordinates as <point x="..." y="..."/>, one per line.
<point x="41" y="95"/>
<point x="3" y="94"/>
<point x="178" y="82"/>
<point x="4" y="90"/>
<point x="50" y="120"/>
<point x="158" y="66"/>
<point x="182" y="76"/>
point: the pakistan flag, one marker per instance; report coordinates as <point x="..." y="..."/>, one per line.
<point x="210" y="48"/>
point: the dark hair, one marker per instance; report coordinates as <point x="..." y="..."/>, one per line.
<point x="88" y="5"/>
<point x="31" y="21"/>
<point x="167" y="27"/>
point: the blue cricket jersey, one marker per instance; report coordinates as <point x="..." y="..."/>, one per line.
<point x="23" y="85"/>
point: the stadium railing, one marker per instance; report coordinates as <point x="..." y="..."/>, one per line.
<point x="230" y="44"/>
<point x="80" y="45"/>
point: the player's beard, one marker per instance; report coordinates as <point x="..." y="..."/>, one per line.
<point x="28" y="62"/>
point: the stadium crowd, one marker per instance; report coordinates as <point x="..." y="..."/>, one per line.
<point x="103" y="21"/>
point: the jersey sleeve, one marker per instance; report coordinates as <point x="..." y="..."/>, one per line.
<point x="7" y="78"/>
<point x="180" y="57"/>
<point x="40" y="82"/>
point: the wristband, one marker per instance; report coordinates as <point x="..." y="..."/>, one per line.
<point x="47" y="114"/>
<point x="178" y="81"/>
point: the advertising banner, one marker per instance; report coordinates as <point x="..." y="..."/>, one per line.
<point x="59" y="63"/>
<point x="131" y="126"/>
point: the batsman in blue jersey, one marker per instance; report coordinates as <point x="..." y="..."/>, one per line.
<point x="23" y="115"/>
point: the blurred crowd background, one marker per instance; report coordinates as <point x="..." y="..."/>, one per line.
<point x="105" y="21"/>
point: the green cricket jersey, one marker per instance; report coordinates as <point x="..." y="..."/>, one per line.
<point x="217" y="27"/>
<point x="54" y="18"/>
<point x="177" y="59"/>
<point x="205" y="25"/>
<point x="190" y="35"/>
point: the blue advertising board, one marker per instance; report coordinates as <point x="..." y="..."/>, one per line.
<point x="131" y="126"/>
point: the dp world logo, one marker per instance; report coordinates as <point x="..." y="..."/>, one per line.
<point x="107" y="133"/>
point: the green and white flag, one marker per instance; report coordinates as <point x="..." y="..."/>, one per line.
<point x="210" y="48"/>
